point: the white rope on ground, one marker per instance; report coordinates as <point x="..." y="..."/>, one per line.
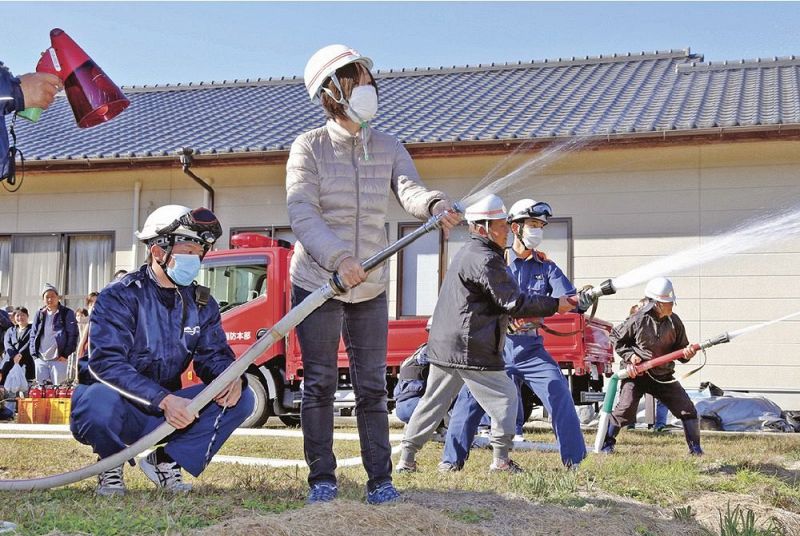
<point x="36" y="436"/>
<point x="270" y="432"/>
<point x="220" y="458"/>
<point x="272" y="462"/>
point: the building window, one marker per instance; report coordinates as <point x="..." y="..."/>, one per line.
<point x="89" y="265"/>
<point x="418" y="269"/>
<point x="557" y="243"/>
<point x="422" y="265"/>
<point x="75" y="263"/>
<point x="5" y="270"/>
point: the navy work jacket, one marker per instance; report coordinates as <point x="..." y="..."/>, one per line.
<point x="11" y="100"/>
<point x="142" y="337"/>
<point x="66" y="331"/>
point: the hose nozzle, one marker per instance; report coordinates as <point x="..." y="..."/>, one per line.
<point x="606" y="288"/>
<point x="588" y="296"/>
<point x="719" y="339"/>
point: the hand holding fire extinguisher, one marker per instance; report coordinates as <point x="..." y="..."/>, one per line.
<point x="39" y="89"/>
<point x="93" y="96"/>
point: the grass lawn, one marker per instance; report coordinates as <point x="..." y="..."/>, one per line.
<point x="650" y="486"/>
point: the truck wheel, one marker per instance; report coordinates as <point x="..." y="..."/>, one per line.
<point x="292" y="421"/>
<point x="260" y="408"/>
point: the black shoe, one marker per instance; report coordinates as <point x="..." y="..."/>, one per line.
<point x="611" y="439"/>
<point x="691" y="429"/>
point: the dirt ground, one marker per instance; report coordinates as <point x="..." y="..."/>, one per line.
<point x="708" y="506"/>
<point x="461" y="513"/>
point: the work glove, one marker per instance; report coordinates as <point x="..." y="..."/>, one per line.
<point x="585" y="300"/>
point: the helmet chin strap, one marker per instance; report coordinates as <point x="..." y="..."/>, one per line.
<point x="163" y="264"/>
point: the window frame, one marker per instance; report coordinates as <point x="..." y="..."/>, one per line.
<point x="63" y="257"/>
<point x="444" y="254"/>
<point x="412" y="225"/>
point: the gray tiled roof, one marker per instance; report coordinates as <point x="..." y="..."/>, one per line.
<point x="606" y="95"/>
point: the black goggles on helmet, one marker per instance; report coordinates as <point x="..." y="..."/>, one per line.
<point x="202" y="221"/>
<point x="539" y="210"/>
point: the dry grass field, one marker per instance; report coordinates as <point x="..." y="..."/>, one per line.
<point x="746" y="484"/>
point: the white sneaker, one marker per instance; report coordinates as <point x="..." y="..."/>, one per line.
<point x="110" y="483"/>
<point x="518" y="438"/>
<point x="165" y="475"/>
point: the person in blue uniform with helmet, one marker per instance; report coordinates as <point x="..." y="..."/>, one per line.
<point x="145" y="330"/>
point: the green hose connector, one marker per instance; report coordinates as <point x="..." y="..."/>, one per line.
<point x="31" y="114"/>
<point x="611" y="393"/>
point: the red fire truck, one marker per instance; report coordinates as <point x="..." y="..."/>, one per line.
<point x="251" y="284"/>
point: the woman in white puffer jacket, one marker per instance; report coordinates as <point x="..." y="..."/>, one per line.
<point x="338" y="181"/>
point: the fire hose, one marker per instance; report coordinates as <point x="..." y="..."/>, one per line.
<point x="280" y="330"/>
<point x="631" y="371"/>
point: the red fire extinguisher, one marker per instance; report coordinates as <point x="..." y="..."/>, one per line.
<point x="50" y="391"/>
<point x="63" y="391"/>
<point x="35" y="391"/>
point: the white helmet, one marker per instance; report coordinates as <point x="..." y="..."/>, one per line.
<point x="528" y="208"/>
<point x="325" y="62"/>
<point x="490" y="207"/>
<point x="660" y="289"/>
<point x="199" y="225"/>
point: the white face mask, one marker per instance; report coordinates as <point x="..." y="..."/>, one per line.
<point x="532" y="237"/>
<point x="363" y="104"/>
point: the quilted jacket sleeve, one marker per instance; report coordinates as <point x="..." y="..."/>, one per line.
<point x="412" y="194"/>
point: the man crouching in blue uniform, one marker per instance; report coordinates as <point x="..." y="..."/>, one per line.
<point x="144" y="331"/>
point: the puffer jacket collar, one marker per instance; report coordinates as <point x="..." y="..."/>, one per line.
<point x="341" y="139"/>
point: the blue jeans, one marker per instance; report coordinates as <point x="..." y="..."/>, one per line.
<point x="364" y="327"/>
<point x="108" y="422"/>
<point x="404" y="409"/>
<point x="661" y="415"/>
<point x="534" y="366"/>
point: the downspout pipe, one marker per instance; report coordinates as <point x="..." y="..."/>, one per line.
<point x="186" y="158"/>
<point x="137" y="200"/>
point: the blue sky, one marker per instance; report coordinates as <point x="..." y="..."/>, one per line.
<point x="159" y="42"/>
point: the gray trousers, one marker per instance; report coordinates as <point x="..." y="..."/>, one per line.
<point x="495" y="392"/>
<point x="51" y="371"/>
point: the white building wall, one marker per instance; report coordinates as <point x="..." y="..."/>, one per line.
<point x="628" y="207"/>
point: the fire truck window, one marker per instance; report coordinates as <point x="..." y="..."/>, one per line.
<point x="234" y="283"/>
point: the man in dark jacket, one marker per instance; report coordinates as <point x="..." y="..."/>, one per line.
<point x="468" y="334"/>
<point x="35" y="90"/>
<point x="54" y="336"/>
<point x="652" y="331"/>
<point x="527" y="360"/>
<point x="144" y="331"/>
